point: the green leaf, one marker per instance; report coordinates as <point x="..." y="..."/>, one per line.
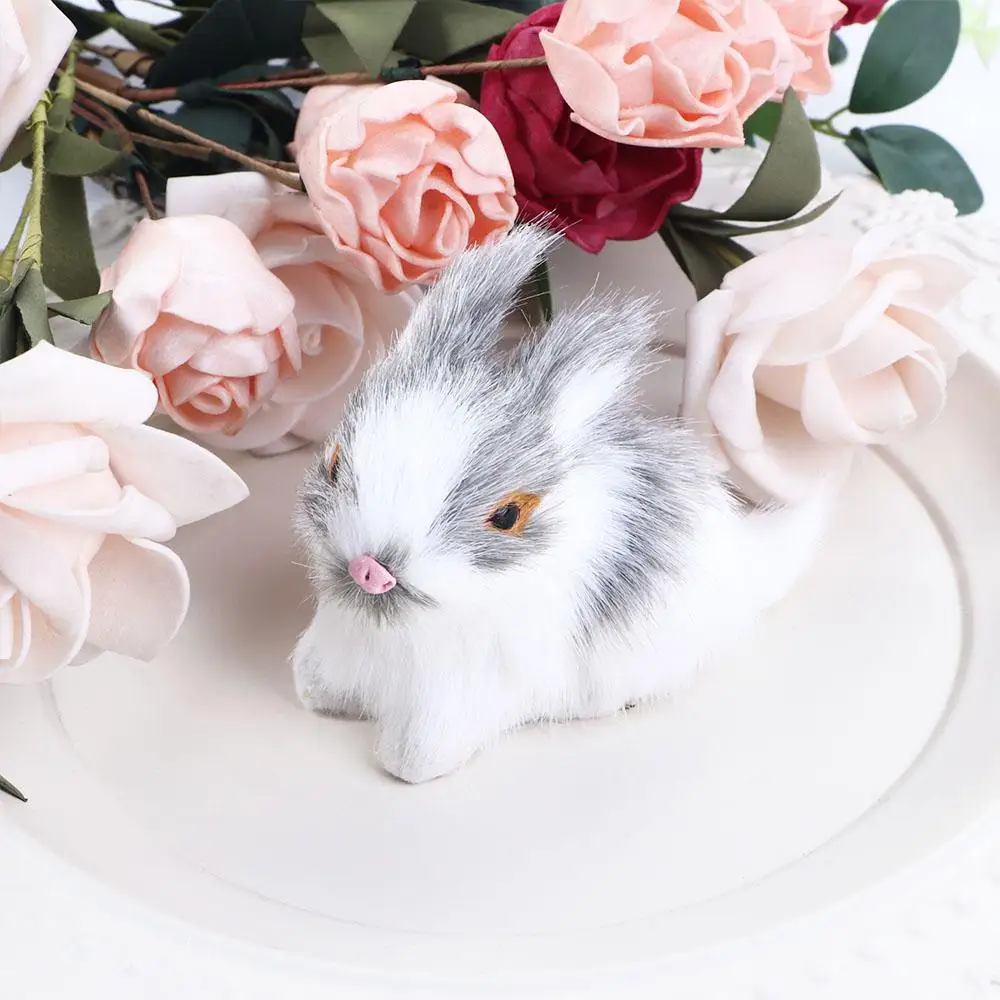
<point x="908" y="158"/>
<point x="705" y="260"/>
<point x="855" y="142"/>
<point x="908" y="52"/>
<point x="31" y="304"/>
<point x="789" y="177"/>
<point x="837" y="50"/>
<point x="6" y="786"/>
<point x="18" y="150"/>
<point x="70" y="155"/>
<point x="230" y="124"/>
<point x="718" y="227"/>
<point x="440" y="29"/>
<point x="84" y="310"/>
<point x="10" y="318"/>
<point x="371" y="27"/>
<point x="68" y="263"/>
<point x="333" y="52"/>
<point x="764" y="121"/>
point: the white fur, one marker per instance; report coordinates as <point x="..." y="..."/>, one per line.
<point x="498" y="651"/>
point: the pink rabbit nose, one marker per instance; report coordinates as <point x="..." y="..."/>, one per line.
<point x="370" y="575"/>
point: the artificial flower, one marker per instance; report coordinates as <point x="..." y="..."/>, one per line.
<point x="592" y="188"/>
<point x="34" y="36"/>
<point x="193" y="306"/>
<point x="405" y="178"/>
<point x="809" y="23"/>
<point x="813" y="348"/>
<point x="669" y="72"/>
<point x="343" y="322"/>
<point x="87" y="496"/>
<point x="861" y="11"/>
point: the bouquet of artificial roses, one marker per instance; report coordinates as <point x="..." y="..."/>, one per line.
<point x="306" y="167"/>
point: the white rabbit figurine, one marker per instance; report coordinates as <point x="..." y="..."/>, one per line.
<point x="503" y="536"/>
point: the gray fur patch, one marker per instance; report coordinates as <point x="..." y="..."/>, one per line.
<point x="450" y="347"/>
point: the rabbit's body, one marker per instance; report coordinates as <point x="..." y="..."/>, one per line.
<point x="627" y="564"/>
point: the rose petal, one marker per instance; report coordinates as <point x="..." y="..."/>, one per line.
<point x="49" y="385"/>
<point x="134" y="515"/>
<point x="40" y="573"/>
<point x="140" y="595"/>
<point x="41" y="464"/>
<point x="179" y="475"/>
<point x="46" y="648"/>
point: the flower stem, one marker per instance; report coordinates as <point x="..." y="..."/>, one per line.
<point x="825" y="126"/>
<point x="8" y="258"/>
<point x="32" y="252"/>
<point x="285" y="177"/>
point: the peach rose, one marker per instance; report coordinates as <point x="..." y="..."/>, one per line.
<point x="671" y="72"/>
<point x="34" y="36"/>
<point x="404" y="178"/>
<point x="809" y="23"/>
<point x="193" y="306"/>
<point x="87" y="494"/>
<point x="818" y="346"/>
<point x="343" y="322"/>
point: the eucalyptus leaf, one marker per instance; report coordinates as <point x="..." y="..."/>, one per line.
<point x="789" y="176"/>
<point x="370" y="27"/>
<point x="908" y="158"/>
<point x="85" y="310"/>
<point x="68" y="263"/>
<point x="440" y="29"/>
<point x="910" y="49"/>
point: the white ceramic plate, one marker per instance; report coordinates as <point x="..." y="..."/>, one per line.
<point x="854" y="737"/>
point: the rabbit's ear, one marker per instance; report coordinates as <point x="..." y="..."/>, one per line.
<point x="591" y="355"/>
<point x="460" y="317"/>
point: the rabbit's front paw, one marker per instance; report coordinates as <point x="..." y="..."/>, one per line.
<point x="414" y="754"/>
<point x="316" y="688"/>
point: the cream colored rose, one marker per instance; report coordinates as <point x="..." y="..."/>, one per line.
<point x="87" y="494"/>
<point x="343" y="322"/>
<point x="34" y="35"/>
<point x="816" y="347"/>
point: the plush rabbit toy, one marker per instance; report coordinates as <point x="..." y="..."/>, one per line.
<point x="502" y="536"/>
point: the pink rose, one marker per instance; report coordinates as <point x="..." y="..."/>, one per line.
<point x="818" y="346"/>
<point x="34" y="36"/>
<point x="405" y="178"/>
<point x="670" y="72"/>
<point x="87" y="494"/>
<point x="321" y="102"/>
<point x="809" y="23"/>
<point x="342" y="322"/>
<point x="193" y="306"/>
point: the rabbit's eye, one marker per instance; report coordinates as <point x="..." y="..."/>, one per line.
<point x="513" y="513"/>
<point x="333" y="465"/>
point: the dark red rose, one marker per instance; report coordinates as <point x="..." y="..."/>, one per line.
<point x="598" y="189"/>
<point x="861" y="11"/>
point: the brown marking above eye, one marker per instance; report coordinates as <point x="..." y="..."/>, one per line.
<point x="332" y="465"/>
<point x="511" y="515"/>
